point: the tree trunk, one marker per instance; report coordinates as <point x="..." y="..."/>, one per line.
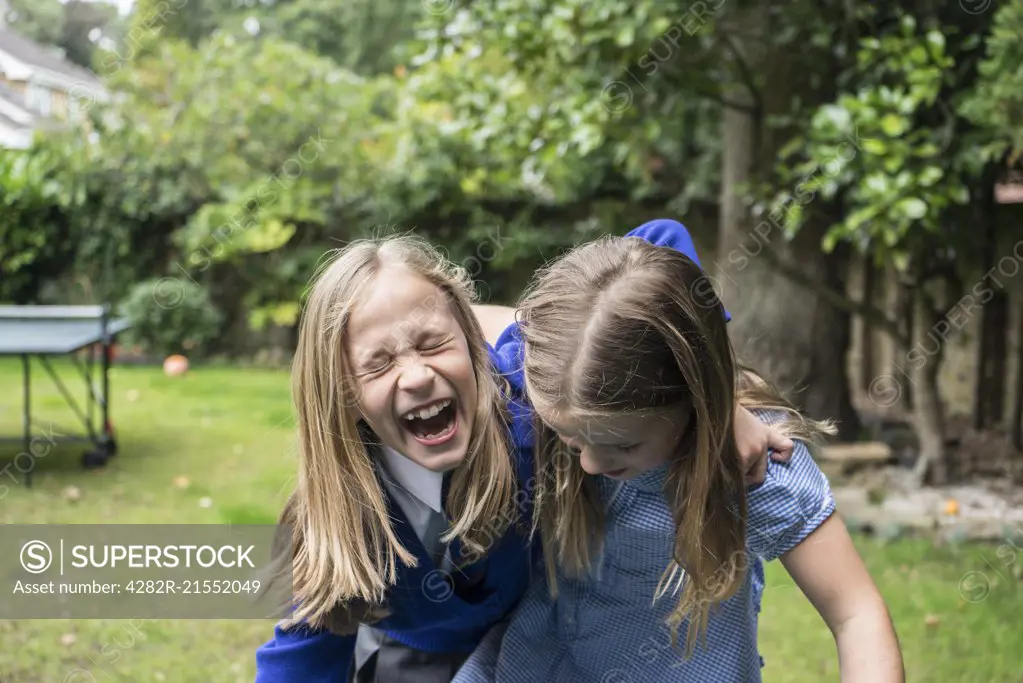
<point x="907" y="314"/>
<point x="928" y="414"/>
<point x="989" y="396"/>
<point x="1016" y="431"/>
<point x="989" y="393"/>
<point x="868" y="369"/>
<point x="784" y="330"/>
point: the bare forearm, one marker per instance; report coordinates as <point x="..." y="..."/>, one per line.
<point x="831" y="574"/>
<point x="868" y="648"/>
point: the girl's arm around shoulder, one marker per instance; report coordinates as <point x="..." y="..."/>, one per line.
<point x="304" y="655"/>
<point x="757" y="443"/>
<point x="494" y="320"/>
<point x="505" y="344"/>
<point x="831" y="574"/>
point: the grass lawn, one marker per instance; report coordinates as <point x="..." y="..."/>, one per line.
<point x="230" y="433"/>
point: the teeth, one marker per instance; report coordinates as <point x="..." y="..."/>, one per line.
<point x="434" y="436"/>
<point x="427" y="412"/>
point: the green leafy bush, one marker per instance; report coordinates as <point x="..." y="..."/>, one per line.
<point x="171" y="315"/>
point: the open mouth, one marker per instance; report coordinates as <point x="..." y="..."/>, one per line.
<point x="432" y="424"/>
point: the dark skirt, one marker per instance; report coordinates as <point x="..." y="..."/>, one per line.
<point x="381" y="659"/>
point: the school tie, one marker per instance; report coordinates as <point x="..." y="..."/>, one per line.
<point x="466" y="577"/>
<point x="435" y="547"/>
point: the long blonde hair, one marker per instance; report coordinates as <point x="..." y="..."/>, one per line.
<point x="344" y="549"/>
<point x="616" y="326"/>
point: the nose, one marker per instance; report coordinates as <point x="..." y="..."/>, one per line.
<point x="416" y="377"/>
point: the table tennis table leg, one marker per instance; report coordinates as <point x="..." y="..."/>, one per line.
<point x="27" y="417"/>
<point x="108" y="430"/>
<point x="109" y="442"/>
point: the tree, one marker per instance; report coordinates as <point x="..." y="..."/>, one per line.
<point x="364" y="36"/>
<point x="907" y="188"/>
<point x="80" y="21"/>
<point x="240" y="152"/>
<point x="508" y="131"/>
<point x="64" y="26"/>
<point x="793" y="333"/>
<point x="617" y="99"/>
<point x="995" y="106"/>
<point x="38" y="20"/>
<point x="996" y="103"/>
<point x="188" y="20"/>
<point x="37" y="193"/>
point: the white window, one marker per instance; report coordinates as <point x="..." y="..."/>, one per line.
<point x="38" y="98"/>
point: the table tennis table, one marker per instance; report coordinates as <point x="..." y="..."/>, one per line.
<point x="45" y="331"/>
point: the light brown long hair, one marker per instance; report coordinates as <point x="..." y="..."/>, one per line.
<point x="621" y="326"/>
<point x="345" y="550"/>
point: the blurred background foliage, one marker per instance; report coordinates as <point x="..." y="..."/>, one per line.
<point x="243" y="140"/>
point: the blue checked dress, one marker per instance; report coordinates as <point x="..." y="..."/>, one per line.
<point x="607" y="629"/>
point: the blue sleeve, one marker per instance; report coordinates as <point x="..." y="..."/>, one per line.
<point x="664" y="232"/>
<point x="794" y="500"/>
<point x="508" y="357"/>
<point x="302" y="655"/>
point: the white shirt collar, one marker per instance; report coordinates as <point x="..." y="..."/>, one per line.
<point x="426" y="485"/>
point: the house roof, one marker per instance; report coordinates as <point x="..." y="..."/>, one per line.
<point x="11" y="123"/>
<point x="34" y="54"/>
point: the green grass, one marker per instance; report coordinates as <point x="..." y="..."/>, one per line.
<point x="230" y="432"/>
<point x="944" y="638"/>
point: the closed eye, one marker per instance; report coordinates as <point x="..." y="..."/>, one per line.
<point x="433" y="344"/>
<point x="375" y="366"/>
<point x="629" y="448"/>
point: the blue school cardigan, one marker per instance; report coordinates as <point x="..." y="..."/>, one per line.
<point x="419" y="618"/>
